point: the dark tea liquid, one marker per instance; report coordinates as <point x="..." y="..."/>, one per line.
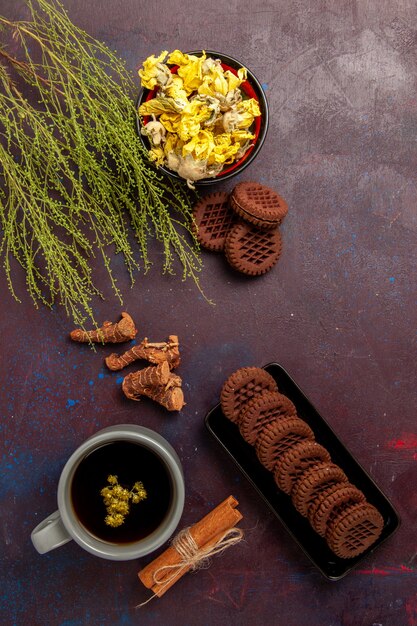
<point x="130" y="462"/>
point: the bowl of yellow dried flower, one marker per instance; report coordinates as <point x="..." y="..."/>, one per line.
<point x="202" y="116"/>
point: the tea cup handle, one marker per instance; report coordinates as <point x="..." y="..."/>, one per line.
<point x="50" y="534"/>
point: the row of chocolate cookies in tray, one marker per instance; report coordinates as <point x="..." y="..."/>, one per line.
<point x="285" y="445"/>
<point x="244" y="225"/>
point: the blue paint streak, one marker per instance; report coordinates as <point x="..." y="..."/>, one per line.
<point x="101" y="375"/>
<point x="91" y="382"/>
<point x="392" y="279"/>
<point x="264" y="86"/>
<point x="71" y="403"/>
<point x="119" y="380"/>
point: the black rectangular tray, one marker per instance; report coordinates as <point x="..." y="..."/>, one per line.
<point x="316" y="548"/>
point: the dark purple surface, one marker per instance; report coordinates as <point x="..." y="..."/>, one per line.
<point x="338" y="312"/>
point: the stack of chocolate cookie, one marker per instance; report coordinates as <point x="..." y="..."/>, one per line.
<point x="302" y="468"/>
<point x="243" y="224"/>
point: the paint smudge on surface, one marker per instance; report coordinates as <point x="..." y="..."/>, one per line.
<point x="411" y="610"/>
<point x="71" y="403"/>
<point x="406" y="443"/>
<point x="388" y="571"/>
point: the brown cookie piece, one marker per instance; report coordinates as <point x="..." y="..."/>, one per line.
<point x="252" y="251"/>
<point x="323" y="495"/>
<point x="331" y="505"/>
<point x="354" y="530"/>
<point x="213" y="220"/>
<point x="241" y="387"/>
<point x="278" y="437"/>
<point x="295" y="461"/>
<point x="313" y="482"/>
<point x="262" y="410"/>
<point x="258" y="204"/>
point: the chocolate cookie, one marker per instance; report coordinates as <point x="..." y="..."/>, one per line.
<point x="213" y="219"/>
<point x="329" y="491"/>
<point x="313" y="482"/>
<point x="252" y="251"/>
<point x="258" y="205"/>
<point x="295" y="461"/>
<point x="331" y="505"/>
<point x="262" y="410"/>
<point x="354" y="530"/>
<point x="278" y="437"/>
<point x="241" y="387"/>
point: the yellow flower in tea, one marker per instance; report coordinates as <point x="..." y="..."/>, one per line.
<point x="116" y="500"/>
<point x="154" y="72"/>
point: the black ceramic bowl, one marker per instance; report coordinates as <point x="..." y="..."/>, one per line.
<point x="252" y="89"/>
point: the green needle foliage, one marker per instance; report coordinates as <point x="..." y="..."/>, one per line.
<point x="72" y="167"/>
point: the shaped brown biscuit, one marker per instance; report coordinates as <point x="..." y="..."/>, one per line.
<point x="252" y="251"/>
<point x="278" y="437"/>
<point x="354" y="530"/>
<point x="213" y="220"/>
<point x="297" y="460"/>
<point x="333" y="504"/>
<point x="313" y="482"/>
<point x="262" y="410"/>
<point x="322" y="496"/>
<point x="258" y="204"/>
<point x="241" y="387"/>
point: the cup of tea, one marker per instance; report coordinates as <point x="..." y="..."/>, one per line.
<point x="149" y="473"/>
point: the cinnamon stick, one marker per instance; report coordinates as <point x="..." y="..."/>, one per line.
<point x="206" y="533"/>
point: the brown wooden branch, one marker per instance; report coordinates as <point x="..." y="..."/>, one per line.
<point x="25" y="67"/>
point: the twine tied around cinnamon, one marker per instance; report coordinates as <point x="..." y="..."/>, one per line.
<point x="192" y="557"/>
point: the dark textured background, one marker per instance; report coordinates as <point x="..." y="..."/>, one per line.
<point x="338" y="312"/>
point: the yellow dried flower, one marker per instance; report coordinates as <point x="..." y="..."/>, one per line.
<point x="114" y="520"/>
<point x="116" y="500"/>
<point x="204" y="114"/>
<point x="140" y="491"/>
<point x="154" y="72"/>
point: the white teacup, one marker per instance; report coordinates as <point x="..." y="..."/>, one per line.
<point x="65" y="524"/>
